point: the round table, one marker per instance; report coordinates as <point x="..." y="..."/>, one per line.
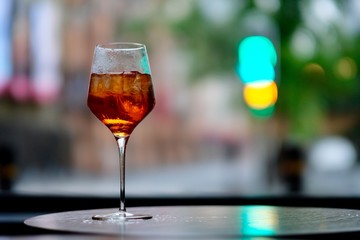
<point x="207" y="221"/>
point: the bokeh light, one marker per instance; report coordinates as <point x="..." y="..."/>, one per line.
<point x="257" y="48"/>
<point x="256" y="69"/>
<point x="257" y="58"/>
<point x="333" y="153"/>
<point x="260" y="95"/>
<point x="346" y="68"/>
<point x="263" y="113"/>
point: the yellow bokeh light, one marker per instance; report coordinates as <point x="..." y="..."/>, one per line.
<point x="346" y="68"/>
<point x="261" y="94"/>
<point x="314" y="69"/>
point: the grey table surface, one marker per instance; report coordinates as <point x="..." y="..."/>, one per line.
<point x="218" y="222"/>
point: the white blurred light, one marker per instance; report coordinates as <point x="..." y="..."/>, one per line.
<point x="177" y="10"/>
<point x="270" y="6"/>
<point x="320" y="15"/>
<point x="332" y="154"/>
<point x="325" y="10"/>
<point x="353" y="17"/>
<point x="220" y="12"/>
<point x="257" y="22"/>
<point x="303" y="44"/>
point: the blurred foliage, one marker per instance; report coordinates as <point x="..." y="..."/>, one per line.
<point x="309" y="90"/>
<point x="214" y="47"/>
<point x="308" y="96"/>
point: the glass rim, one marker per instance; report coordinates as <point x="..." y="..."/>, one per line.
<point x="121" y="46"/>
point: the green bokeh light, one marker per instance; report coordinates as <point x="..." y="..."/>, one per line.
<point x="264" y="113"/>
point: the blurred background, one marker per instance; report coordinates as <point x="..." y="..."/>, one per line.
<point x="203" y="137"/>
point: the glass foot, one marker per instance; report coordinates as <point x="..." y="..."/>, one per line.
<point x="121" y="216"/>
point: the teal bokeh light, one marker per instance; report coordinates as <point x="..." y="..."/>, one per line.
<point x="255" y="70"/>
<point x="257" y="59"/>
<point x="257" y="48"/>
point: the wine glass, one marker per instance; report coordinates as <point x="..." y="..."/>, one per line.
<point x="121" y="95"/>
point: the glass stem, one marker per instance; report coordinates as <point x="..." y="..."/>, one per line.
<point x="122" y="142"/>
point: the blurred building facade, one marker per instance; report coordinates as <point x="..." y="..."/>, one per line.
<point x="200" y="116"/>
